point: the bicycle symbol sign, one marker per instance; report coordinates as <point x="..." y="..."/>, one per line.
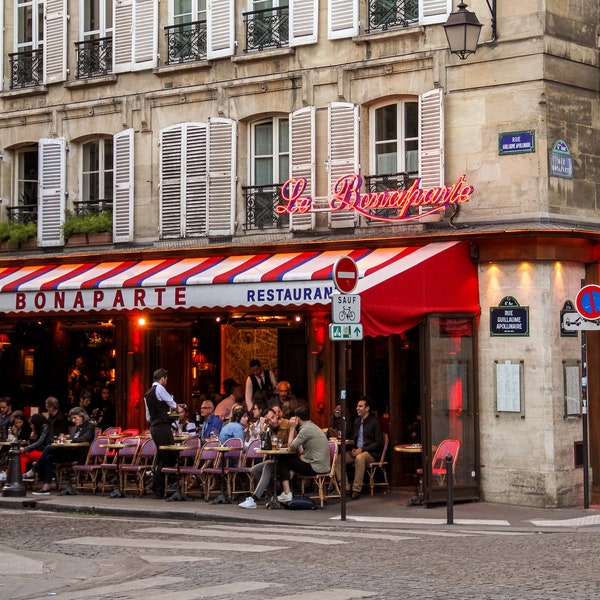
<point x="345" y="308"/>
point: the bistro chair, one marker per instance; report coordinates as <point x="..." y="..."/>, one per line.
<point x="438" y="464"/>
<point x="221" y="468"/>
<point x="111" y="431"/>
<point x="130" y="432"/>
<point x="91" y="468"/>
<point x="187" y="458"/>
<point x="207" y="458"/>
<point x="250" y="457"/>
<point x="380" y="465"/>
<point x="114" y="458"/>
<point x="141" y="468"/>
<point x="321" y="480"/>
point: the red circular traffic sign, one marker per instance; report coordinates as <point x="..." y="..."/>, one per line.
<point x="588" y="301"/>
<point x="345" y="274"/>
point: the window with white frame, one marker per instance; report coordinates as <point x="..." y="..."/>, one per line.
<point x="187" y="36"/>
<point x="97" y="21"/>
<point x="395" y="129"/>
<point x="97" y="173"/>
<point x="95" y="50"/>
<point x="267" y="24"/>
<point x="187" y="11"/>
<point x="26" y="63"/>
<point x="270" y="167"/>
<point x="26" y="181"/>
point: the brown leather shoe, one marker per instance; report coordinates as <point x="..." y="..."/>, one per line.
<point x="355" y="495"/>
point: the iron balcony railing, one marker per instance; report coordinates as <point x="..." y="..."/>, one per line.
<point x="26" y="68"/>
<point x="186" y="42"/>
<point x="267" y="28"/>
<point x="23" y="213"/>
<point x="94" y="57"/>
<point x="261" y="202"/>
<point x="389" y="181"/>
<point x="386" y="14"/>
<point x="85" y="208"/>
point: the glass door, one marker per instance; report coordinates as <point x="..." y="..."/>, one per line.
<point x="449" y="408"/>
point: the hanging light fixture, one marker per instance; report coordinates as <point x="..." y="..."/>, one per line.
<point x="462" y="31"/>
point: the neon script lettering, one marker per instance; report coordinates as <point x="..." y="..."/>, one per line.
<point x="346" y="195"/>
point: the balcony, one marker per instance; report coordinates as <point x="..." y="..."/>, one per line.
<point x="186" y="42"/>
<point x="26" y="69"/>
<point x="389" y="181"/>
<point x="388" y="14"/>
<point x="267" y="28"/>
<point x="86" y="208"/>
<point x="94" y="57"/>
<point x="261" y="201"/>
<point x="23" y="213"/>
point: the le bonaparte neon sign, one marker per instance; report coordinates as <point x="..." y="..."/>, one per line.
<point x="346" y="195"/>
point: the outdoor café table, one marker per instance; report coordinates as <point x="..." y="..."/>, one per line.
<point x="222" y="498"/>
<point x="117" y="447"/>
<point x="68" y="449"/>
<point x="273" y="503"/>
<point x="178" y="495"/>
<point x="415" y="450"/>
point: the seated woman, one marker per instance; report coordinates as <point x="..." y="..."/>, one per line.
<point x="40" y="438"/>
<point x="84" y="431"/>
<point x="236" y="426"/>
<point x="183" y="425"/>
<point x="20" y="428"/>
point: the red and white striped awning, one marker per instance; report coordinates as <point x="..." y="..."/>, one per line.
<point x="436" y="274"/>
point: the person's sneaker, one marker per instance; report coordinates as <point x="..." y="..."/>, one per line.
<point x="283" y="497"/>
<point x="248" y="503"/>
<point x="42" y="493"/>
<point x="29" y="476"/>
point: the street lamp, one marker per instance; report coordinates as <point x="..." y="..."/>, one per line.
<point x="463" y="28"/>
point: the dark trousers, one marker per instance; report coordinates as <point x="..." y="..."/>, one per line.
<point x="292" y="462"/>
<point x="162" y="434"/>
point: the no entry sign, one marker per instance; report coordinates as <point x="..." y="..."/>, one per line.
<point x="588" y="301"/>
<point x="345" y="274"/>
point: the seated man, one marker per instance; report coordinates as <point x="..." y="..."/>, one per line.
<point x="263" y="471"/>
<point x="368" y="444"/>
<point x="315" y="452"/>
<point x="211" y="424"/>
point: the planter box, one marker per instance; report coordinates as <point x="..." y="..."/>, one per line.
<point x="85" y="239"/>
<point x="77" y="239"/>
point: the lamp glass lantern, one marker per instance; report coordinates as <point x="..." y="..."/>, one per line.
<point x="462" y="31"/>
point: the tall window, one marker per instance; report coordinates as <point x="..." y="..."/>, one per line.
<point x="187" y="37"/>
<point x="186" y="11"/>
<point x="24" y="205"/>
<point x="97" y="171"/>
<point x="396" y="133"/>
<point x="26" y="63"/>
<point x="270" y="151"/>
<point x="267" y="24"/>
<point x="97" y="19"/>
<point x="95" y="51"/>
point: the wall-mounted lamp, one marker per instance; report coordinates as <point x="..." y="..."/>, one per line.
<point x="463" y="28"/>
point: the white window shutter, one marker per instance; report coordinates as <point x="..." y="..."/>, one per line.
<point x="343" y="153"/>
<point x="304" y="20"/>
<point x="55" y="41"/>
<point x="302" y="160"/>
<point x="123" y="192"/>
<point x="172" y="179"/>
<point x="434" y="11"/>
<point x="2" y="50"/>
<point x="51" y="191"/>
<point x="145" y="34"/>
<point x="431" y="135"/>
<point x="220" y="37"/>
<point x="123" y="35"/>
<point x="342" y="19"/>
<point x="221" y="176"/>
<point x="195" y="198"/>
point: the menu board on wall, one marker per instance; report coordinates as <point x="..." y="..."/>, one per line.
<point x="509" y="386"/>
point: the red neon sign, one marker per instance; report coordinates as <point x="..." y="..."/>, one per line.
<point x="346" y="195"/>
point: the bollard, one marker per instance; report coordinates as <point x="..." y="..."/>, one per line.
<point x="449" y="491"/>
<point x="14" y="486"/>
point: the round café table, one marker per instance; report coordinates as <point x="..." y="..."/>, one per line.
<point x="273" y="503"/>
<point x="414" y="450"/>
<point x="65" y="446"/>
<point x="177" y="495"/>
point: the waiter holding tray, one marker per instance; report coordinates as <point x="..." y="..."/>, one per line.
<point x="158" y="404"/>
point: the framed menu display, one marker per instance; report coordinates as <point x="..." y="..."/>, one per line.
<point x="508" y="380"/>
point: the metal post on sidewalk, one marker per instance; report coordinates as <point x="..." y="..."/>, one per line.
<point x="449" y="491"/>
<point x="14" y="487"/>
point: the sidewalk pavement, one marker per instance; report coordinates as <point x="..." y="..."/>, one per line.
<point x="382" y="511"/>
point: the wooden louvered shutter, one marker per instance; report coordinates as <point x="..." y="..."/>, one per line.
<point x="55" y="41"/>
<point x="434" y="11"/>
<point x="304" y="19"/>
<point x="51" y="191"/>
<point x="123" y="192"/>
<point x="342" y="18"/>
<point x="195" y="198"/>
<point x="431" y="141"/>
<point x="171" y="181"/>
<point x="220" y="19"/>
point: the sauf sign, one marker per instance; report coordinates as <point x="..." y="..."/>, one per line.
<point x="346" y="195"/>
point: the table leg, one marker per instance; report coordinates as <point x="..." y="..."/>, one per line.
<point x="69" y="490"/>
<point x="273" y="503"/>
<point x="222" y="498"/>
<point x="178" y="495"/>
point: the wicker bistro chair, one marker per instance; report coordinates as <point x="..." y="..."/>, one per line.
<point x="207" y="458"/>
<point x="141" y="469"/>
<point x="210" y="474"/>
<point x="90" y="470"/>
<point x="187" y="458"/>
<point x="380" y="465"/>
<point x="111" y="431"/>
<point x="250" y="457"/>
<point x="322" y="480"/>
<point x="114" y="462"/>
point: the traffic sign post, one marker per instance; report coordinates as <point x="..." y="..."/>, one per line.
<point x="345" y="308"/>
<point x="572" y="321"/>
<point x="588" y="301"/>
<point x="345" y="274"/>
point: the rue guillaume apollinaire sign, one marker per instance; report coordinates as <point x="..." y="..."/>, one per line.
<point x="346" y="195"/>
<point x="509" y="319"/>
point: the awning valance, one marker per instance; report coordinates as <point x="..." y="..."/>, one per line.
<point x="396" y="284"/>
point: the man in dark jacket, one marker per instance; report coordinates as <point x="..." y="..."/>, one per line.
<point x="368" y="444"/>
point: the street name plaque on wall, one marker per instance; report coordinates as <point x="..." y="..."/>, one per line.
<point x="509" y="319"/>
<point x="516" y="142"/>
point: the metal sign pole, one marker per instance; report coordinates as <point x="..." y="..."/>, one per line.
<point x="342" y="349"/>
<point x="584" y="420"/>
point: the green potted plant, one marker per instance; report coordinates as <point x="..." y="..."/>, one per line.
<point x="15" y="235"/>
<point x="85" y="227"/>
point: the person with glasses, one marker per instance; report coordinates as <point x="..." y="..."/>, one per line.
<point x="211" y="424"/>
